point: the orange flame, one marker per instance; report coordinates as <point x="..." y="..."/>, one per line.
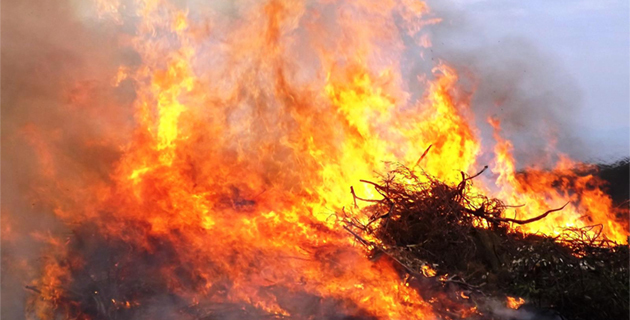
<point x="514" y="303"/>
<point x="242" y="165"/>
<point x="588" y="204"/>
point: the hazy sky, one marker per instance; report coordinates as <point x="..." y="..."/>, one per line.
<point x="590" y="38"/>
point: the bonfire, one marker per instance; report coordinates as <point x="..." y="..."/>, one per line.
<point x="273" y="160"/>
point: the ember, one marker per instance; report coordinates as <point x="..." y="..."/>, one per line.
<point x="224" y="163"/>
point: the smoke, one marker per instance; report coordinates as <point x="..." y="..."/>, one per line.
<point x="524" y="312"/>
<point x="59" y="63"/>
<point x="513" y="80"/>
<point x="65" y="125"/>
<point x="55" y="74"/>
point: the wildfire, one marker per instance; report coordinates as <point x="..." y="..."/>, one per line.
<point x="249" y="132"/>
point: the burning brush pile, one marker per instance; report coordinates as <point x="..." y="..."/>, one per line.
<point x="192" y="160"/>
<point x="455" y="247"/>
<point x="467" y="245"/>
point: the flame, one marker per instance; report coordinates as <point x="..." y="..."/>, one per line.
<point x="536" y="188"/>
<point x="428" y="271"/>
<point x="241" y="165"/>
<point x="514" y="303"/>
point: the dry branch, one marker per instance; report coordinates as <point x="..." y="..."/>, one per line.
<point x="423" y="221"/>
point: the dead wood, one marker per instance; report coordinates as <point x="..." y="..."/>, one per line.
<point x="421" y="221"/>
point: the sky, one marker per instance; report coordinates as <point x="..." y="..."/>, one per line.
<point x="590" y="41"/>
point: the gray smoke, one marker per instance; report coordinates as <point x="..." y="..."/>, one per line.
<point x="45" y="48"/>
<point x="54" y="53"/>
<point x="512" y="79"/>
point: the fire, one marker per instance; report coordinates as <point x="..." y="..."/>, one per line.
<point x="428" y="271"/>
<point x="514" y="303"/>
<point x="588" y="204"/>
<point x="248" y="135"/>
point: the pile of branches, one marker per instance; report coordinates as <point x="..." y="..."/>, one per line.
<point x="424" y="224"/>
